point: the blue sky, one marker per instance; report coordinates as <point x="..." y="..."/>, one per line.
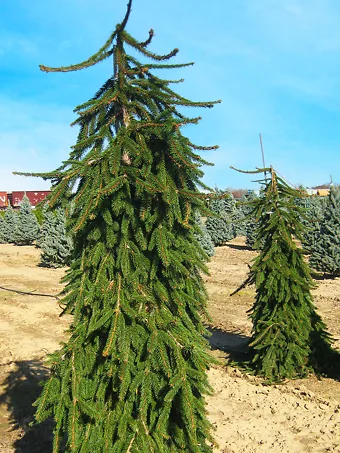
<point x="274" y="63"/>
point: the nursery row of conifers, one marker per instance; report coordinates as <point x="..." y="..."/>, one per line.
<point x="320" y="218"/>
<point x="46" y="229"/>
<point x="231" y="219"/>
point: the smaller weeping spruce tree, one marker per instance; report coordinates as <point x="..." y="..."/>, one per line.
<point x="27" y="225"/>
<point x="288" y="336"/>
<point x="325" y="250"/>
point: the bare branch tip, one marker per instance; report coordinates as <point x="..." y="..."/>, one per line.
<point x="127" y="15"/>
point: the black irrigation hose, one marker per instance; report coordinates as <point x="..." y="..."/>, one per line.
<point x="29" y="293"/>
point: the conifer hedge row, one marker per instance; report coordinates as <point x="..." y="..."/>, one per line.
<point x="229" y="219"/>
<point x="19" y="227"/>
<point x="322" y="238"/>
<point x="22" y="228"/>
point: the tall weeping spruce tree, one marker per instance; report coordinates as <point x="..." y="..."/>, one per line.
<point x="289" y="337"/>
<point x="132" y="377"/>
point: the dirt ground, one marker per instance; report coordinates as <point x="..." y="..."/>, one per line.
<point x="299" y="416"/>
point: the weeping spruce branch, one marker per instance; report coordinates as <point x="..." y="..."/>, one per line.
<point x="288" y="338"/>
<point x="132" y="376"/>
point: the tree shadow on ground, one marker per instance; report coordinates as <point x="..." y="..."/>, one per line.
<point x="21" y="390"/>
<point x="328" y="365"/>
<point x="239" y="247"/>
<point x="45" y="265"/>
<point x="233" y="343"/>
<point x="323" y="276"/>
<point x="236" y="347"/>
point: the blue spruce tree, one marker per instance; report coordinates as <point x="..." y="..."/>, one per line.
<point x="238" y="219"/>
<point x="56" y="245"/>
<point x="314" y="208"/>
<point x="325" y="251"/>
<point x="220" y="226"/>
<point x="11" y="225"/>
<point x="202" y="235"/>
<point x="250" y="219"/>
<point x="2" y="230"/>
<point x="46" y="226"/>
<point x="27" y="225"/>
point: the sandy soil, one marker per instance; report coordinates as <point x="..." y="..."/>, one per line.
<point x="299" y="416"/>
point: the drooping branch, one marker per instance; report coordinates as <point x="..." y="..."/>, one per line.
<point x="102" y="53"/>
<point x="252" y="172"/>
<point x="48" y="175"/>
<point x="134" y="43"/>
<point x="148" y="41"/>
<point x="167" y="66"/>
<point x="77" y="67"/>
